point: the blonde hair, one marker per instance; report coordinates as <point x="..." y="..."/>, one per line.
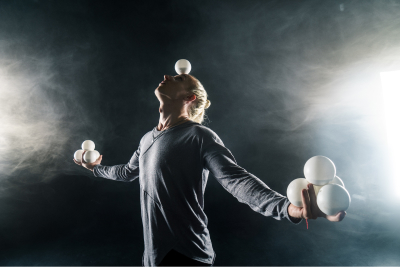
<point x="197" y="109"/>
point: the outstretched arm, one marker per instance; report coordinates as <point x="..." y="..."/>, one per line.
<point x="123" y="172"/>
<point x="246" y="187"/>
<point x="249" y="189"/>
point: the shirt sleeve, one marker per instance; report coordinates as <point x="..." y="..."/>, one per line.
<point x="246" y="187"/>
<point x="123" y="172"/>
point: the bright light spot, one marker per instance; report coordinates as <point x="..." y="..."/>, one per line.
<point x="391" y="100"/>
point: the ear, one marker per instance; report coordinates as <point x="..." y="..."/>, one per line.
<point x="190" y="98"/>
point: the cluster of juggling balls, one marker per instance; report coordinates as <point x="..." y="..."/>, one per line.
<point x="90" y="155"/>
<point x="332" y="196"/>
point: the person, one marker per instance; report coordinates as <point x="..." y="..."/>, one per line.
<point x="173" y="162"/>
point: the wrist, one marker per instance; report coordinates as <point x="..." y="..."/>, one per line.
<point x="294" y="212"/>
<point x="91" y="168"/>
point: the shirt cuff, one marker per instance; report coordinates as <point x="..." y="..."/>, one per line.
<point x="95" y="171"/>
<point x="290" y="218"/>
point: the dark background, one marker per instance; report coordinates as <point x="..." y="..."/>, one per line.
<point x="288" y="80"/>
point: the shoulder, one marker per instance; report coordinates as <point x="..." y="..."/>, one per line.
<point x="146" y="137"/>
<point x="205" y="133"/>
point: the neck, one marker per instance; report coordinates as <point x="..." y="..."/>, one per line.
<point x="170" y="116"/>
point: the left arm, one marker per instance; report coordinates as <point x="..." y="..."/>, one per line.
<point x="246" y="187"/>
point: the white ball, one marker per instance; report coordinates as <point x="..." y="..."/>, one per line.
<point x="319" y="170"/>
<point x="78" y="155"/>
<point x="293" y="191"/>
<point x="183" y="66"/>
<point x="337" y="180"/>
<point x="317" y="188"/>
<point x="333" y="198"/>
<point x="88" y="145"/>
<point x="91" y="156"/>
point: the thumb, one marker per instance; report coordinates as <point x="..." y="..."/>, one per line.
<point x="99" y="159"/>
<point x="337" y="218"/>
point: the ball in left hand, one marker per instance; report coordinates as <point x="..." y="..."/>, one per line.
<point x="88" y="145"/>
<point x="91" y="156"/>
<point x="78" y="155"/>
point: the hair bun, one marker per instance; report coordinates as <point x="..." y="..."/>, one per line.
<point x="208" y="104"/>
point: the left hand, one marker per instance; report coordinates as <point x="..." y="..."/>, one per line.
<point x="88" y="165"/>
<point x="310" y="209"/>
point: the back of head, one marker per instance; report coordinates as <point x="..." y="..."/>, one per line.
<point x="197" y="109"/>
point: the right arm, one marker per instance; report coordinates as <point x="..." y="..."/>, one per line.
<point x="123" y="172"/>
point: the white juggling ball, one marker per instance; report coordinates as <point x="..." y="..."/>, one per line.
<point x="319" y="170"/>
<point x="333" y="198"/>
<point x="78" y="155"/>
<point x="317" y="188"/>
<point x="293" y="191"/>
<point x="88" y="145"/>
<point x="337" y="180"/>
<point x="91" y="156"/>
<point x="183" y="66"/>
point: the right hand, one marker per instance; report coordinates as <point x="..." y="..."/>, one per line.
<point x="310" y="209"/>
<point x="87" y="165"/>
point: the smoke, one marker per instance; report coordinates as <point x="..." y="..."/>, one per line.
<point x="326" y="57"/>
<point x="34" y="133"/>
<point x="300" y="64"/>
<point x="307" y="83"/>
<point x="288" y="80"/>
<point x="46" y="112"/>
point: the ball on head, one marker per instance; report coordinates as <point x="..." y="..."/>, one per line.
<point x="183" y="66"/>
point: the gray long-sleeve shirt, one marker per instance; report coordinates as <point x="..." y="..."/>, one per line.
<point x="173" y="167"/>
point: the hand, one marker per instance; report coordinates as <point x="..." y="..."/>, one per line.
<point x="310" y="209"/>
<point x="89" y="166"/>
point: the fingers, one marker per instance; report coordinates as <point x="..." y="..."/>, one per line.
<point x="83" y="161"/>
<point x="341" y="215"/>
<point x="99" y="159"/>
<point x="306" y="204"/>
<point x="310" y="207"/>
<point x="336" y="218"/>
<point x="313" y="202"/>
<point x="86" y="165"/>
